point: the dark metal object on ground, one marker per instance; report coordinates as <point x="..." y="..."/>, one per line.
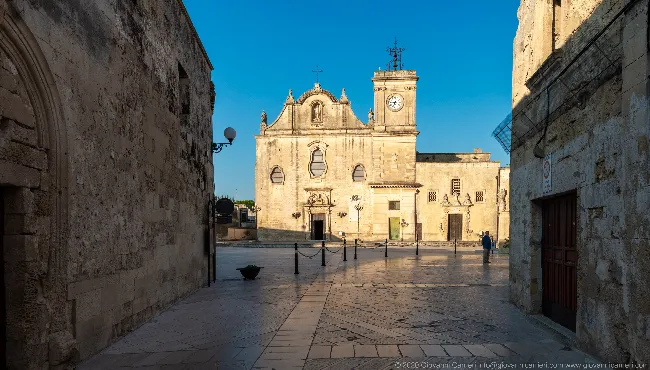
<point x="249" y="273"/>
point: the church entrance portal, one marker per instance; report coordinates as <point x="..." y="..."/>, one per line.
<point x="318" y="226"/>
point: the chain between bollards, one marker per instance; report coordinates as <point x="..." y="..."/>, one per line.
<point x="454" y="246"/>
<point x="296" y="245"/>
<point x="345" y="251"/>
<point x="322" y="249"/>
<point x="355" y="249"/>
<point x="386" y="250"/>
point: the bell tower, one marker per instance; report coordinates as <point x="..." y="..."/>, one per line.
<point x="395" y="95"/>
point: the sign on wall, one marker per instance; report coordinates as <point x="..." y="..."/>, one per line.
<point x="546" y="171"/>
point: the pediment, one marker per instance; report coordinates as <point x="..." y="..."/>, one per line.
<point x="317" y="90"/>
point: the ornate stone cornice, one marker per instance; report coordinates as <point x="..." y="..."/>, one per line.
<point x="395" y="185"/>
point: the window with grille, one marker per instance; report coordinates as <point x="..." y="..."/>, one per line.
<point x="455" y="187"/>
<point x="393" y="205"/>
<point x="359" y="173"/>
<point x="317" y="165"/>
<point x="433" y="196"/>
<point x="479" y="196"/>
<point x="277" y="176"/>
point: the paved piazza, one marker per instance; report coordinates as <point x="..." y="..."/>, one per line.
<point x="371" y="313"/>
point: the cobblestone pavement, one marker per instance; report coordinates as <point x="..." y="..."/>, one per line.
<point x="371" y="313"/>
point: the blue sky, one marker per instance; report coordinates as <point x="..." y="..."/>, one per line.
<point x="261" y="49"/>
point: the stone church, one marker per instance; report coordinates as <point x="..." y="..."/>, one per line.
<point x="321" y="173"/>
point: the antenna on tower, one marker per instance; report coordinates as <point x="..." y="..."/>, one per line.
<point x="396" y="54"/>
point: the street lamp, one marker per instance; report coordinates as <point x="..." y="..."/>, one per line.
<point x="417" y="242"/>
<point x="404" y="224"/>
<point x="256" y="209"/>
<point x="358" y="207"/>
<point x="230" y="134"/>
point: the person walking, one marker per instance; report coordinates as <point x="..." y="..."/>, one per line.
<point x="487" y="245"/>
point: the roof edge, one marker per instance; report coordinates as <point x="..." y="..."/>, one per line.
<point x="196" y="34"/>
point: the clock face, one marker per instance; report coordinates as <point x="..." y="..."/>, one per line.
<point x="395" y="102"/>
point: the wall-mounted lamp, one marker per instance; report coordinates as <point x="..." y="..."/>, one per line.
<point x="230" y="134"/>
<point x="296" y="215"/>
<point x="342" y="214"/>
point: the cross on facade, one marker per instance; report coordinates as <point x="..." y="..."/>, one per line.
<point x="396" y="53"/>
<point x="317" y="71"/>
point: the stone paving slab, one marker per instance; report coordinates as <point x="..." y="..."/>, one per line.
<point x="369" y="313"/>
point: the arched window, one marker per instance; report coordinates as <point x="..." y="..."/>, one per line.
<point x="317" y="165"/>
<point x="359" y="173"/>
<point x="277" y="176"/>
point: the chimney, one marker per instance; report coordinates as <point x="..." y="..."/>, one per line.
<point x="478" y="150"/>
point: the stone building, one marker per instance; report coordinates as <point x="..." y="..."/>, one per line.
<point x="105" y="170"/>
<point x="321" y="172"/>
<point x="580" y="172"/>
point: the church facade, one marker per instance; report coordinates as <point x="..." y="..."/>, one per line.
<point x="321" y="173"/>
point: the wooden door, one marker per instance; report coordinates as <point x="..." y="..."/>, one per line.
<point x="455" y="229"/>
<point x="418" y="230"/>
<point x="559" y="260"/>
<point x="394" y="225"/>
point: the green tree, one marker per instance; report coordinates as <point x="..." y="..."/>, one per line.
<point x="250" y="204"/>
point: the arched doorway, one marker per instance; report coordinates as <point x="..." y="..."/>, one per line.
<point x="33" y="199"/>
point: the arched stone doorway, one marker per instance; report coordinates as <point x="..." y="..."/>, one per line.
<point x="33" y="186"/>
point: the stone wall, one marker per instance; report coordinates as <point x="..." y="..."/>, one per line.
<point x="105" y="170"/>
<point x="598" y="139"/>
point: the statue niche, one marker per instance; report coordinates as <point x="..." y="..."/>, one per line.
<point x="317" y="112"/>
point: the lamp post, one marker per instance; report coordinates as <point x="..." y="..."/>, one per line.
<point x="256" y="209"/>
<point x="358" y="207"/>
<point x="403" y="224"/>
<point x="417" y="245"/>
<point x="230" y="134"/>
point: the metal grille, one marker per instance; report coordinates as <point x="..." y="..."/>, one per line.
<point x="317" y="165"/>
<point x="433" y="196"/>
<point x="359" y="174"/>
<point x="479" y="196"/>
<point x="503" y="133"/>
<point x="455" y="187"/>
<point x="277" y="177"/>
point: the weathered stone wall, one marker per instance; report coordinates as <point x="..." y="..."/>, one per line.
<point x="106" y="130"/>
<point x="598" y="138"/>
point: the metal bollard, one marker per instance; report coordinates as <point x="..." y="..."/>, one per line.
<point x="345" y="251"/>
<point x="296" y="245"/>
<point x="454" y="246"/>
<point x="355" y="249"/>
<point x="417" y="245"/>
<point x="322" y="252"/>
<point x="386" y="250"/>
